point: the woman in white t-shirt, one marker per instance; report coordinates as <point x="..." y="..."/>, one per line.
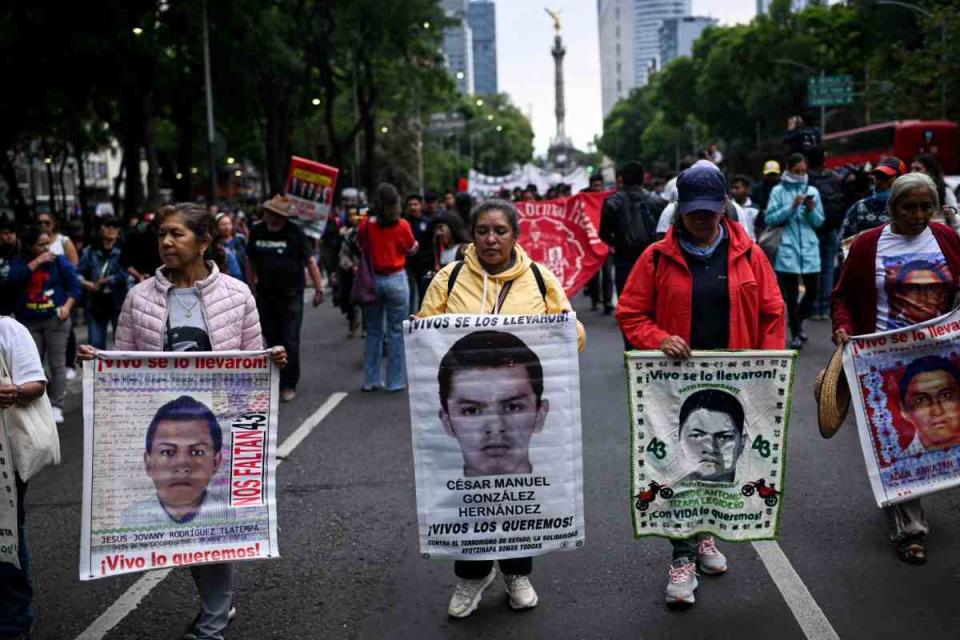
<point x="897" y="275"/>
<point x="22" y="359"/>
<point x="60" y="245"/>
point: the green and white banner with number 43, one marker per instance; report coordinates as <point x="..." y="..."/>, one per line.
<point x="708" y="438"/>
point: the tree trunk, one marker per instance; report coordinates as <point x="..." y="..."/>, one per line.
<point x="277" y="108"/>
<point x="150" y="148"/>
<point x="115" y="198"/>
<point x="367" y="118"/>
<point x="183" y="118"/>
<point x="63" y="187"/>
<point x="8" y="172"/>
<point x="85" y="214"/>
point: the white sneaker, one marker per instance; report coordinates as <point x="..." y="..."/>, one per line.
<point x="71" y="373"/>
<point x="58" y="415"/>
<point x="522" y="595"/>
<point x="683" y="582"/>
<point x="466" y="596"/>
<point x="712" y="562"/>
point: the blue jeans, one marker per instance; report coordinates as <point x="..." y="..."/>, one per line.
<point x="828" y="267"/>
<point x="16" y="585"/>
<point x="392" y="305"/>
<point x="215" y="586"/>
<point x="97" y="329"/>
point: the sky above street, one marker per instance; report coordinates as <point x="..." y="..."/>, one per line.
<point x="525" y="66"/>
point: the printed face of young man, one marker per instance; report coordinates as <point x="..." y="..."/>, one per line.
<point x="932" y="406"/>
<point x="493" y="413"/>
<point x="711" y="441"/>
<point x="181" y="463"/>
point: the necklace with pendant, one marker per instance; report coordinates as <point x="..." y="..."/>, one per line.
<point x="187" y="310"/>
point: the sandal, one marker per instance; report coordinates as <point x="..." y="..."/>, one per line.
<point x="912" y="550"/>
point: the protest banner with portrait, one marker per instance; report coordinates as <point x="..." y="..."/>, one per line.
<point x="495" y="415"/>
<point x="708" y="439"/>
<point x="310" y="187"/>
<point x="563" y="235"/>
<point x="179" y="460"/>
<point x="905" y="391"/>
<point x="9" y="540"/>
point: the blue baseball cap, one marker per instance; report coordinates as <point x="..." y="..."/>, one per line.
<point x="702" y="187"/>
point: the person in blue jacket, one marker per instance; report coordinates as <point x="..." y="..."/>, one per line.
<point x="795" y="206"/>
<point x="50" y="291"/>
<point x="104" y="279"/>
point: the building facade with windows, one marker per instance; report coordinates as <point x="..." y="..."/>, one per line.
<point x="482" y="19"/>
<point x="677" y="36"/>
<point x="630" y="42"/>
<point x="458" y="45"/>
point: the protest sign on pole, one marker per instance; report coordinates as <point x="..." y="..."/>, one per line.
<point x="179" y="460"/>
<point x="310" y="187"/>
<point x="563" y="235"/>
<point x="495" y="415"/>
<point x="905" y="391"/>
<point x="708" y="442"/>
<point x="9" y="540"/>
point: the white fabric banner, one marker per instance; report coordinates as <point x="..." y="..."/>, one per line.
<point x="9" y="540"/>
<point x="484" y="186"/>
<point x="179" y="460"/>
<point x="708" y="442"/>
<point x="905" y="391"/>
<point x="495" y="414"/>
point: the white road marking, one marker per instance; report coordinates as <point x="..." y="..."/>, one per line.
<point x="132" y="597"/>
<point x="309" y="425"/>
<point x="811" y="618"/>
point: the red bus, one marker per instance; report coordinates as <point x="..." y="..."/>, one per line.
<point x="905" y="139"/>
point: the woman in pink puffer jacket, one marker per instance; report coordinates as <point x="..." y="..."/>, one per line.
<point x="189" y="305"/>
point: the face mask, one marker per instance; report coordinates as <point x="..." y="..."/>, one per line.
<point x="794" y="178"/>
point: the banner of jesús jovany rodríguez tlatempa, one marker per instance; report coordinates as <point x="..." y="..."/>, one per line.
<point x="495" y="416"/>
<point x="905" y="393"/>
<point x="708" y="442"/>
<point x="179" y="461"/>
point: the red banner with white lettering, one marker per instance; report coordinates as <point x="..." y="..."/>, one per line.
<point x="563" y="235"/>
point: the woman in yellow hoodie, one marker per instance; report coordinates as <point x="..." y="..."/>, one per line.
<point x="496" y="276"/>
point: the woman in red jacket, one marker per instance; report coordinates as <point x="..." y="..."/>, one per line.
<point x="706" y="285"/>
<point x="896" y="275"/>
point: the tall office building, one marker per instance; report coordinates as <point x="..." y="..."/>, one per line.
<point x="482" y="18"/>
<point x="616" y="50"/>
<point x="630" y="42"/>
<point x="763" y="6"/>
<point x="648" y="16"/>
<point x="458" y="45"/>
<point x="677" y="36"/>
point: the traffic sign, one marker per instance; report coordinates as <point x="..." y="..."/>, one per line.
<point x="829" y="91"/>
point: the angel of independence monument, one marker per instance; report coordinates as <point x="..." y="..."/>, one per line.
<point x="560" y="155"/>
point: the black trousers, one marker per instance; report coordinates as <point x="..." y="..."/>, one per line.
<point x="798" y="311"/>
<point x="602" y="284"/>
<point x="477" y="569"/>
<point x="621" y="269"/>
<point x="281" y="315"/>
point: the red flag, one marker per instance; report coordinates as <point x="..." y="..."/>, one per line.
<point x="563" y="235"/>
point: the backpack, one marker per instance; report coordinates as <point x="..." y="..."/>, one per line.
<point x="639" y="221"/>
<point x="541" y="285"/>
<point x="831" y="197"/>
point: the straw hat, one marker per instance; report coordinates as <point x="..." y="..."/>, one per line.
<point x="279" y="205"/>
<point x="832" y="395"/>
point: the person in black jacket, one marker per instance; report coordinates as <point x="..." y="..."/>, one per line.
<point x="831" y="196"/>
<point x="628" y="222"/>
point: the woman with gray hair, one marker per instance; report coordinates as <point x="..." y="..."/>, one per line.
<point x="899" y="274"/>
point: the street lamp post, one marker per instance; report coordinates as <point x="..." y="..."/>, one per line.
<point x="943" y="45"/>
<point x="209" y="89"/>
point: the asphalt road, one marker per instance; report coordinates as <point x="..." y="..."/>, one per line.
<point x="351" y="566"/>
